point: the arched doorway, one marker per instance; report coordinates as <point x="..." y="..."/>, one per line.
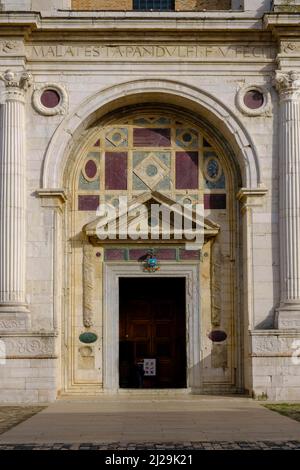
<point x="161" y="150"/>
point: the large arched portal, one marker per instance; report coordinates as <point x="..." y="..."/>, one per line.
<point x="120" y="312"/>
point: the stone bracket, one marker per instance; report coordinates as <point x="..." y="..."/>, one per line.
<point x="251" y="197"/>
<point x="53" y="198"/>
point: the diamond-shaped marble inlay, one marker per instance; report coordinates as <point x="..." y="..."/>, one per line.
<point x="151" y="170"/>
<point x="117" y="137"/>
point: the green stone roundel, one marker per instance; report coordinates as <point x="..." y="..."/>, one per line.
<point x="88" y="337"/>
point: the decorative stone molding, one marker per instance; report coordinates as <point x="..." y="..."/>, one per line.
<point x="251" y="197"/>
<point x="277" y="343"/>
<point x="54" y="198"/>
<point x="216" y="293"/>
<point x="62" y="106"/>
<point x="112" y="273"/>
<point x="88" y="285"/>
<point x="14" y="80"/>
<point x="288" y="85"/>
<point x="12" y="324"/>
<point x="31" y="345"/>
<point x="264" y="110"/>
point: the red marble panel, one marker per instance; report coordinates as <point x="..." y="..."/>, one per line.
<point x="189" y="255"/>
<point x="187" y="170"/>
<point x="254" y="99"/>
<point x="116" y="170"/>
<point x="214" y="201"/>
<point x="146" y="137"/>
<point x="97" y="143"/>
<point x="137" y="253"/>
<point x="114" y="254"/>
<point x="50" y="98"/>
<point x="88" y="203"/>
<point x="165" y="254"/>
<point x="90" y="169"/>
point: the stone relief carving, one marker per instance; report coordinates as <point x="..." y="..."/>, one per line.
<point x="14" y="80"/>
<point x="290" y="47"/>
<point x="88" y="285"/>
<point x="272" y="344"/>
<point x="288" y="84"/>
<point x="28" y="346"/>
<point x="60" y="108"/>
<point x="264" y="110"/>
<point x="219" y="356"/>
<point x="12" y="324"/>
<point x="216" y="285"/>
<point x="9" y="46"/>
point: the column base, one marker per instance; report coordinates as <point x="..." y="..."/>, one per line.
<point x="287" y="317"/>
<point x="14" y="317"/>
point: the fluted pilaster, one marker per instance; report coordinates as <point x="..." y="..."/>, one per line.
<point x="288" y="85"/>
<point x="12" y="193"/>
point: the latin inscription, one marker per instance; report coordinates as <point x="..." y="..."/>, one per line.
<point x="147" y="52"/>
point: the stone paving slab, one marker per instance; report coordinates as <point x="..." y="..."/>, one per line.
<point x="10" y="416"/>
<point x="140" y="420"/>
<point x="119" y="446"/>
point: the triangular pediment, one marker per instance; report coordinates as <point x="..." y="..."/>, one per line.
<point x="138" y="213"/>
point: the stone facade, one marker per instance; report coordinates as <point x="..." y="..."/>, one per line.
<point x="95" y="105"/>
<point x="180" y="5"/>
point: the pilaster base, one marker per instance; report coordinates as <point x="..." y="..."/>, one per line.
<point x="288" y="317"/>
<point x="14" y="318"/>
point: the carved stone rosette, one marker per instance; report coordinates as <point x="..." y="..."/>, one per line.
<point x="288" y="85"/>
<point x="12" y="192"/>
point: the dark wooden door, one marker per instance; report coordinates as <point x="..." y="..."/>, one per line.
<point x="152" y="325"/>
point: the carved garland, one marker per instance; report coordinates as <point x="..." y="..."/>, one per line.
<point x="61" y="108"/>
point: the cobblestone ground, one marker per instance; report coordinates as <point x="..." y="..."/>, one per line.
<point x="224" y="445"/>
<point x="10" y="416"/>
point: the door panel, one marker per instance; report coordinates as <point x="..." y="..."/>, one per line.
<point x="152" y="325"/>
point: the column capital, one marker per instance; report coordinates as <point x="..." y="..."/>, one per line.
<point x="16" y="83"/>
<point x="288" y="84"/>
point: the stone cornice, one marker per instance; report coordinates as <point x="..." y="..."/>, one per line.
<point x="182" y="21"/>
<point x="275" y="21"/>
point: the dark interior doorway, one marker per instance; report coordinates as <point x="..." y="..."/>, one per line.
<point x="152" y="328"/>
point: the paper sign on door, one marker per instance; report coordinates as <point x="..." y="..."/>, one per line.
<point x="150" y="367"/>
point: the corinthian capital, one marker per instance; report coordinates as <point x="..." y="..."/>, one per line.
<point x="288" y="84"/>
<point x="21" y="80"/>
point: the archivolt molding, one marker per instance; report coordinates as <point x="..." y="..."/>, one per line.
<point x="133" y="92"/>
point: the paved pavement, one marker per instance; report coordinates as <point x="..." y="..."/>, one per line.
<point x="137" y="421"/>
<point x="153" y="446"/>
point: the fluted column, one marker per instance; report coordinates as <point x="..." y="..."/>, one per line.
<point x="288" y="85"/>
<point x="12" y="193"/>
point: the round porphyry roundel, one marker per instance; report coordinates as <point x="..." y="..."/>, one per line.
<point x="50" y="98"/>
<point x="217" y="336"/>
<point x="90" y="169"/>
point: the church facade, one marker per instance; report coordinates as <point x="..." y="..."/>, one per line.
<point x="108" y="107"/>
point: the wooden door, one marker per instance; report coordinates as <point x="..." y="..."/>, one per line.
<point x="152" y="325"/>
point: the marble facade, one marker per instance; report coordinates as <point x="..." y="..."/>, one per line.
<point x="71" y="78"/>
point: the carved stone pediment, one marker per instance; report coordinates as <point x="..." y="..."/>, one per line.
<point x="139" y="221"/>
